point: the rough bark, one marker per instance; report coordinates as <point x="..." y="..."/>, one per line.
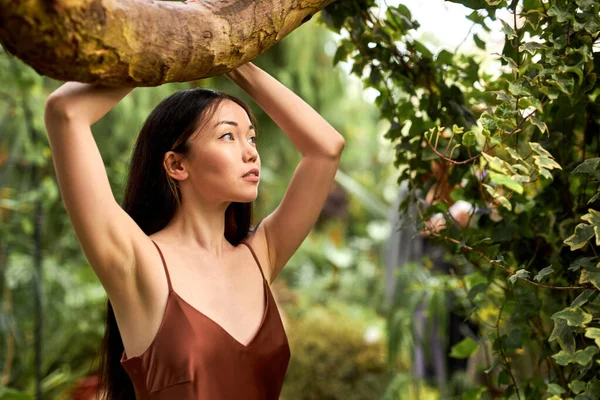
<point x="145" y="42"/>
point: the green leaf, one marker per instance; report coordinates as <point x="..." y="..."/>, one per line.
<point x="495" y="163"/>
<point x="564" y="335"/>
<point x="577" y="70"/>
<point x="503" y="97"/>
<point x="561" y="15"/>
<point x="583" y="233"/>
<point x="592" y="276"/>
<point x="504" y="202"/>
<point x="473" y="4"/>
<point x="541" y="125"/>
<point x="582" y="357"/>
<point x="475" y="290"/>
<point x="341" y="54"/>
<point x="13" y="394"/>
<point x="546" y="163"/>
<point x="583" y="298"/>
<point x="532" y="47"/>
<point x="399" y="18"/>
<point x="522" y="273"/>
<point x="590" y="166"/>
<point x="593" y="217"/>
<point x="508" y="30"/>
<point x="577" y="386"/>
<point x="555" y="389"/>
<point x="562" y="357"/>
<point x="489" y="122"/>
<point x="513" y="154"/>
<point x="593" y="333"/>
<point x="445" y="57"/>
<point x="593" y="388"/>
<point x="402" y="9"/>
<point x="562" y="83"/>
<point x="518" y="89"/>
<point x="375" y="76"/>
<point x="585" y="5"/>
<point x="458" y="130"/>
<point x="539" y="149"/>
<point x="522" y="169"/>
<point x="525" y="102"/>
<point x="582" y="262"/>
<point x="478" y="42"/>
<point x="474" y="394"/>
<point x="501" y="179"/>
<point x="543" y="273"/>
<point x="469" y="139"/>
<point x="464" y="349"/>
<point x="574" y="316"/>
<point x="550" y="91"/>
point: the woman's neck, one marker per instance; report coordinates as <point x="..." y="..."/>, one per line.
<point x="198" y="227"/>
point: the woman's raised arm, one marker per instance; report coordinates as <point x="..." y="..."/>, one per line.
<point x="281" y="233"/>
<point x="105" y="231"/>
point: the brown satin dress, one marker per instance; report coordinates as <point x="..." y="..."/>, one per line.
<point x="194" y="358"/>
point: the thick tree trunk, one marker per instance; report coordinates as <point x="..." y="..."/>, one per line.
<point x="145" y="42"/>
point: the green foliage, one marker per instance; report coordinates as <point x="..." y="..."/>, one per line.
<point x="73" y="302"/>
<point x="332" y="358"/>
<point x="524" y="148"/>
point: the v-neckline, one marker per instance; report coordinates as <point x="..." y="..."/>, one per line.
<point x="227" y="334"/>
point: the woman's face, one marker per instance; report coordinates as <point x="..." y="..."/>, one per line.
<point x="223" y="164"/>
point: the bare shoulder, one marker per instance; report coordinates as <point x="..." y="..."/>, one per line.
<point x="147" y="287"/>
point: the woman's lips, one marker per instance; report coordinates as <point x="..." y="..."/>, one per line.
<point x="251" y="178"/>
<point x="252" y="175"/>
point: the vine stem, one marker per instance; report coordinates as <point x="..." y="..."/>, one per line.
<point x="475" y="157"/>
<point x="504" y="360"/>
<point x="511" y="273"/>
<point x="443" y="157"/>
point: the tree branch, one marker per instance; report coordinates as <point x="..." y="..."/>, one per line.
<point x="145" y="43"/>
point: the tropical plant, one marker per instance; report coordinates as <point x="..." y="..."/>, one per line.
<point x="522" y="144"/>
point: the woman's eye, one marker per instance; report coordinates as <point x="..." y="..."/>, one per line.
<point x="228" y="135"/>
<point x="253" y="139"/>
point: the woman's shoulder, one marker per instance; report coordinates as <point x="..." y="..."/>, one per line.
<point x="257" y="240"/>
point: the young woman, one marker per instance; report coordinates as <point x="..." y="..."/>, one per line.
<point x="191" y="315"/>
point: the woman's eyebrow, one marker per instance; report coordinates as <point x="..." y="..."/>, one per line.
<point x="233" y="123"/>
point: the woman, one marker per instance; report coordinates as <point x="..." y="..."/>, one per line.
<point x="191" y="315"/>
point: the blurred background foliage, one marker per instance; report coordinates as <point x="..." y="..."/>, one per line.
<point x="42" y="269"/>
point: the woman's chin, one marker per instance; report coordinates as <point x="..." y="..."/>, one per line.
<point x="246" y="197"/>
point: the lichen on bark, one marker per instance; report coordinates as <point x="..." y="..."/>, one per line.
<point x="145" y="43"/>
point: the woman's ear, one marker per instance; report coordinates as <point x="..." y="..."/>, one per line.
<point x="173" y="164"/>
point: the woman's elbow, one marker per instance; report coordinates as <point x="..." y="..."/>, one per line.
<point x="56" y="108"/>
<point x="337" y="146"/>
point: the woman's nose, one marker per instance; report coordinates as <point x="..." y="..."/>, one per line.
<point x="250" y="153"/>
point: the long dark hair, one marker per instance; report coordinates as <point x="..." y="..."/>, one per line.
<point x="152" y="197"/>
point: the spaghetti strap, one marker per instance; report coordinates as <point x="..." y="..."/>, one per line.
<point x="255" y="258"/>
<point x="165" y="266"/>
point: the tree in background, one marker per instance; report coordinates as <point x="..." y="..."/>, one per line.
<point x="523" y="146"/>
<point x="108" y="42"/>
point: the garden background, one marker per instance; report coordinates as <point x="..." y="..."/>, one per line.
<point x="502" y="95"/>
